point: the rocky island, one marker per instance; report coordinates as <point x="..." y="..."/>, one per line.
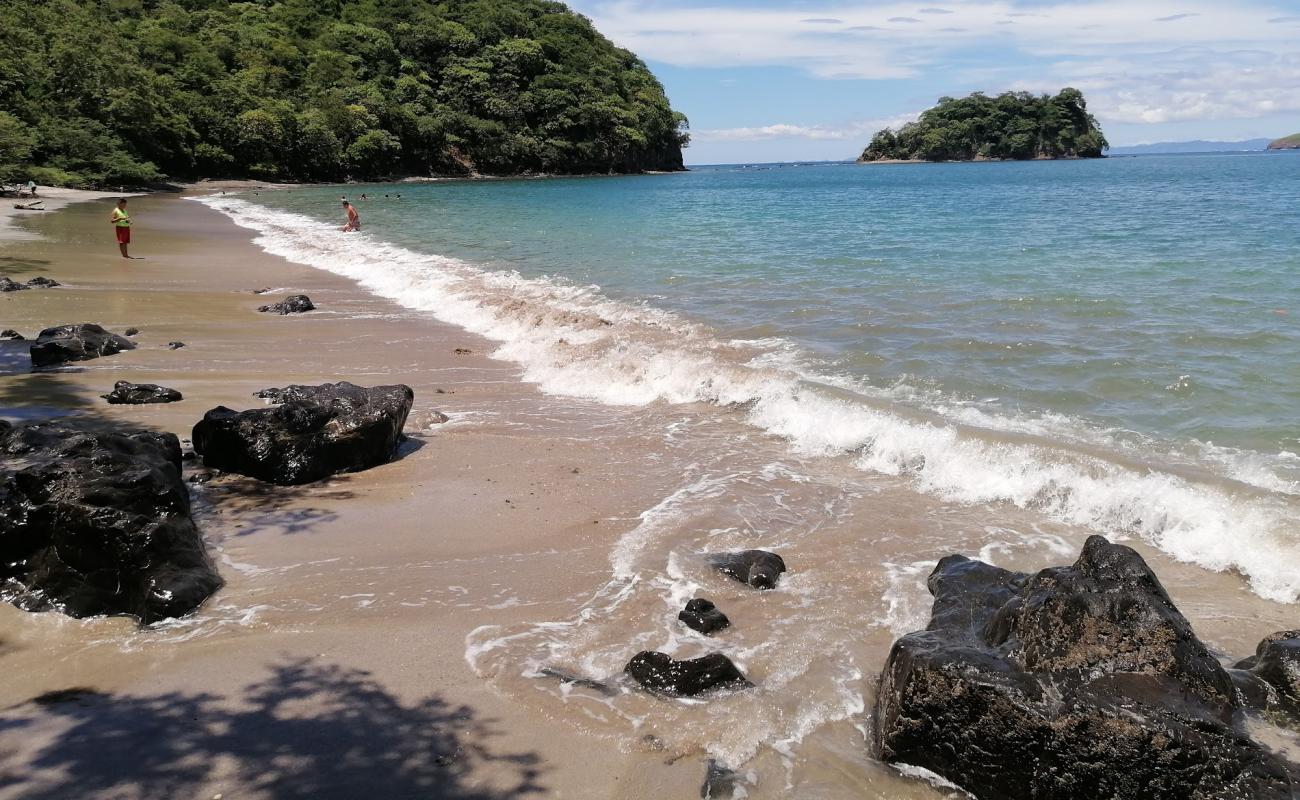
<point x="1014" y="126"/>
<point x="1291" y="142"/>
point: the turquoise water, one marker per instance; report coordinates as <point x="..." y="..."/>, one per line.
<point x="1159" y="295"/>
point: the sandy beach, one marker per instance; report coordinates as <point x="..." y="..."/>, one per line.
<point x="332" y="663"/>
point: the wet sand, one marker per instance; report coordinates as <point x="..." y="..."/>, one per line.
<point x="376" y="630"/>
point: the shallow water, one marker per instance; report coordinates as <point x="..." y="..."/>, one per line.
<point x="864" y="369"/>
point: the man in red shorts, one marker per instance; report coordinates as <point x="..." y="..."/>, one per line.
<point x="122" y="224"/>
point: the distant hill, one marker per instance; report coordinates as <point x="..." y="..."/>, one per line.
<point x="1291" y="142"/>
<point x="1011" y="126"/>
<point x="127" y="91"/>
<point x="1198" y="146"/>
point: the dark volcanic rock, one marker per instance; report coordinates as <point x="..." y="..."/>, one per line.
<point x="758" y="568"/>
<point x="134" y="394"/>
<point x="132" y="332"/>
<point x="11" y="335"/>
<point x="720" y="783"/>
<point x="1277" y="663"/>
<point x="1078" y="682"/>
<point x="98" y="523"/>
<point x="313" y="432"/>
<point x="296" y="304"/>
<point x="175" y="345"/>
<point x="658" y="672"/>
<point x="703" y="616"/>
<point x="76" y="343"/>
<point x="43" y="282"/>
<point x="10" y="285"/>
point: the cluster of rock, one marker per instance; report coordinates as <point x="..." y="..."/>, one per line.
<point x="1079" y="681"/>
<point x="660" y="673"/>
<point x="8" y="284"/>
<point x="67" y="343"/>
<point x="127" y="393"/>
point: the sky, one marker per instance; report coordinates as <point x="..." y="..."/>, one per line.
<point x="802" y="80"/>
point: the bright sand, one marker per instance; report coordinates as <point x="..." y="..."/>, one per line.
<point x="334" y="661"/>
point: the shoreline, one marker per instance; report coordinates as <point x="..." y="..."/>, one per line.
<point x="298" y="609"/>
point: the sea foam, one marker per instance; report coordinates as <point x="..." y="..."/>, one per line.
<point x="573" y="340"/>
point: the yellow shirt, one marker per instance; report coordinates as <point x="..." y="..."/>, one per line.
<point x="121" y="219"/>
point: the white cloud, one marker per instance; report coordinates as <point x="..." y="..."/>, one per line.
<point x="1138" y="61"/>
<point x="855" y="131"/>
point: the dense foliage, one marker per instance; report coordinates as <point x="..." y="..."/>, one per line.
<point x="1013" y="125"/>
<point x="1291" y="142"/>
<point x="125" y="91"/>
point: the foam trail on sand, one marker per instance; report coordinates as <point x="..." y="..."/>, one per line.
<point x="573" y="340"/>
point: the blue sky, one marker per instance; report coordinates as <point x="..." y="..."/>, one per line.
<point x="783" y="80"/>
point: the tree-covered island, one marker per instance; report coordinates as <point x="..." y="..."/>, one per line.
<point x="129" y="91"/>
<point x="1013" y="125"/>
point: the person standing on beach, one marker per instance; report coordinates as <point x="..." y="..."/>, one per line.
<point x="354" y="219"/>
<point x="122" y="224"/>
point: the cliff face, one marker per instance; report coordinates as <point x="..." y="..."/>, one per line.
<point x="125" y="93"/>
<point x="1286" y="143"/>
<point x="1013" y="125"/>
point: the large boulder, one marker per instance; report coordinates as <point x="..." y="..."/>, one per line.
<point x="95" y="522"/>
<point x="76" y="343"/>
<point x="1079" y="681"/>
<point x="313" y="432"/>
<point x="659" y="672"/>
<point x="134" y="394"/>
<point x="758" y="568"/>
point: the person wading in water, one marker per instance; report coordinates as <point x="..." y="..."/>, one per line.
<point x="354" y="219"/>
<point x="122" y="224"/>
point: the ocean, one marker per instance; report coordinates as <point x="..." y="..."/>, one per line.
<point x="865" y="368"/>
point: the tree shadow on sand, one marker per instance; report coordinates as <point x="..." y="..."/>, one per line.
<point x="256" y="507"/>
<point x="307" y="731"/>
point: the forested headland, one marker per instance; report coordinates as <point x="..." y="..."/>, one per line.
<point x="109" y="92"/>
<point x="1011" y="126"/>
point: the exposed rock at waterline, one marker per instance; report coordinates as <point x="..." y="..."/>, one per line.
<point x="703" y="616"/>
<point x="42" y="282"/>
<point x="98" y="523"/>
<point x="1277" y="663"/>
<point x="1079" y="681"/>
<point x="8" y="284"/>
<point x="720" y="783"/>
<point x="175" y="345"/>
<point x="658" y="672"/>
<point x="313" y="432"/>
<point x="76" y="343"/>
<point x="11" y="335"/>
<point x="297" y="304"/>
<point x="131" y="332"/>
<point x="134" y="394"/>
<point x="758" y="568"/>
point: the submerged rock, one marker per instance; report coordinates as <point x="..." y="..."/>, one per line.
<point x="658" y="672"/>
<point x="175" y="345"/>
<point x="131" y="332"/>
<point x="98" y="523"/>
<point x="701" y="615"/>
<point x="134" y="394"/>
<point x="720" y="783"/>
<point x="76" y="343"/>
<point x="43" y="282"/>
<point x="11" y="335"/>
<point x="758" y="568"/>
<point x="313" y="432"/>
<point x="1079" y="681"/>
<point x="8" y="284"/>
<point x="569" y="679"/>
<point x="297" y="304"/>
